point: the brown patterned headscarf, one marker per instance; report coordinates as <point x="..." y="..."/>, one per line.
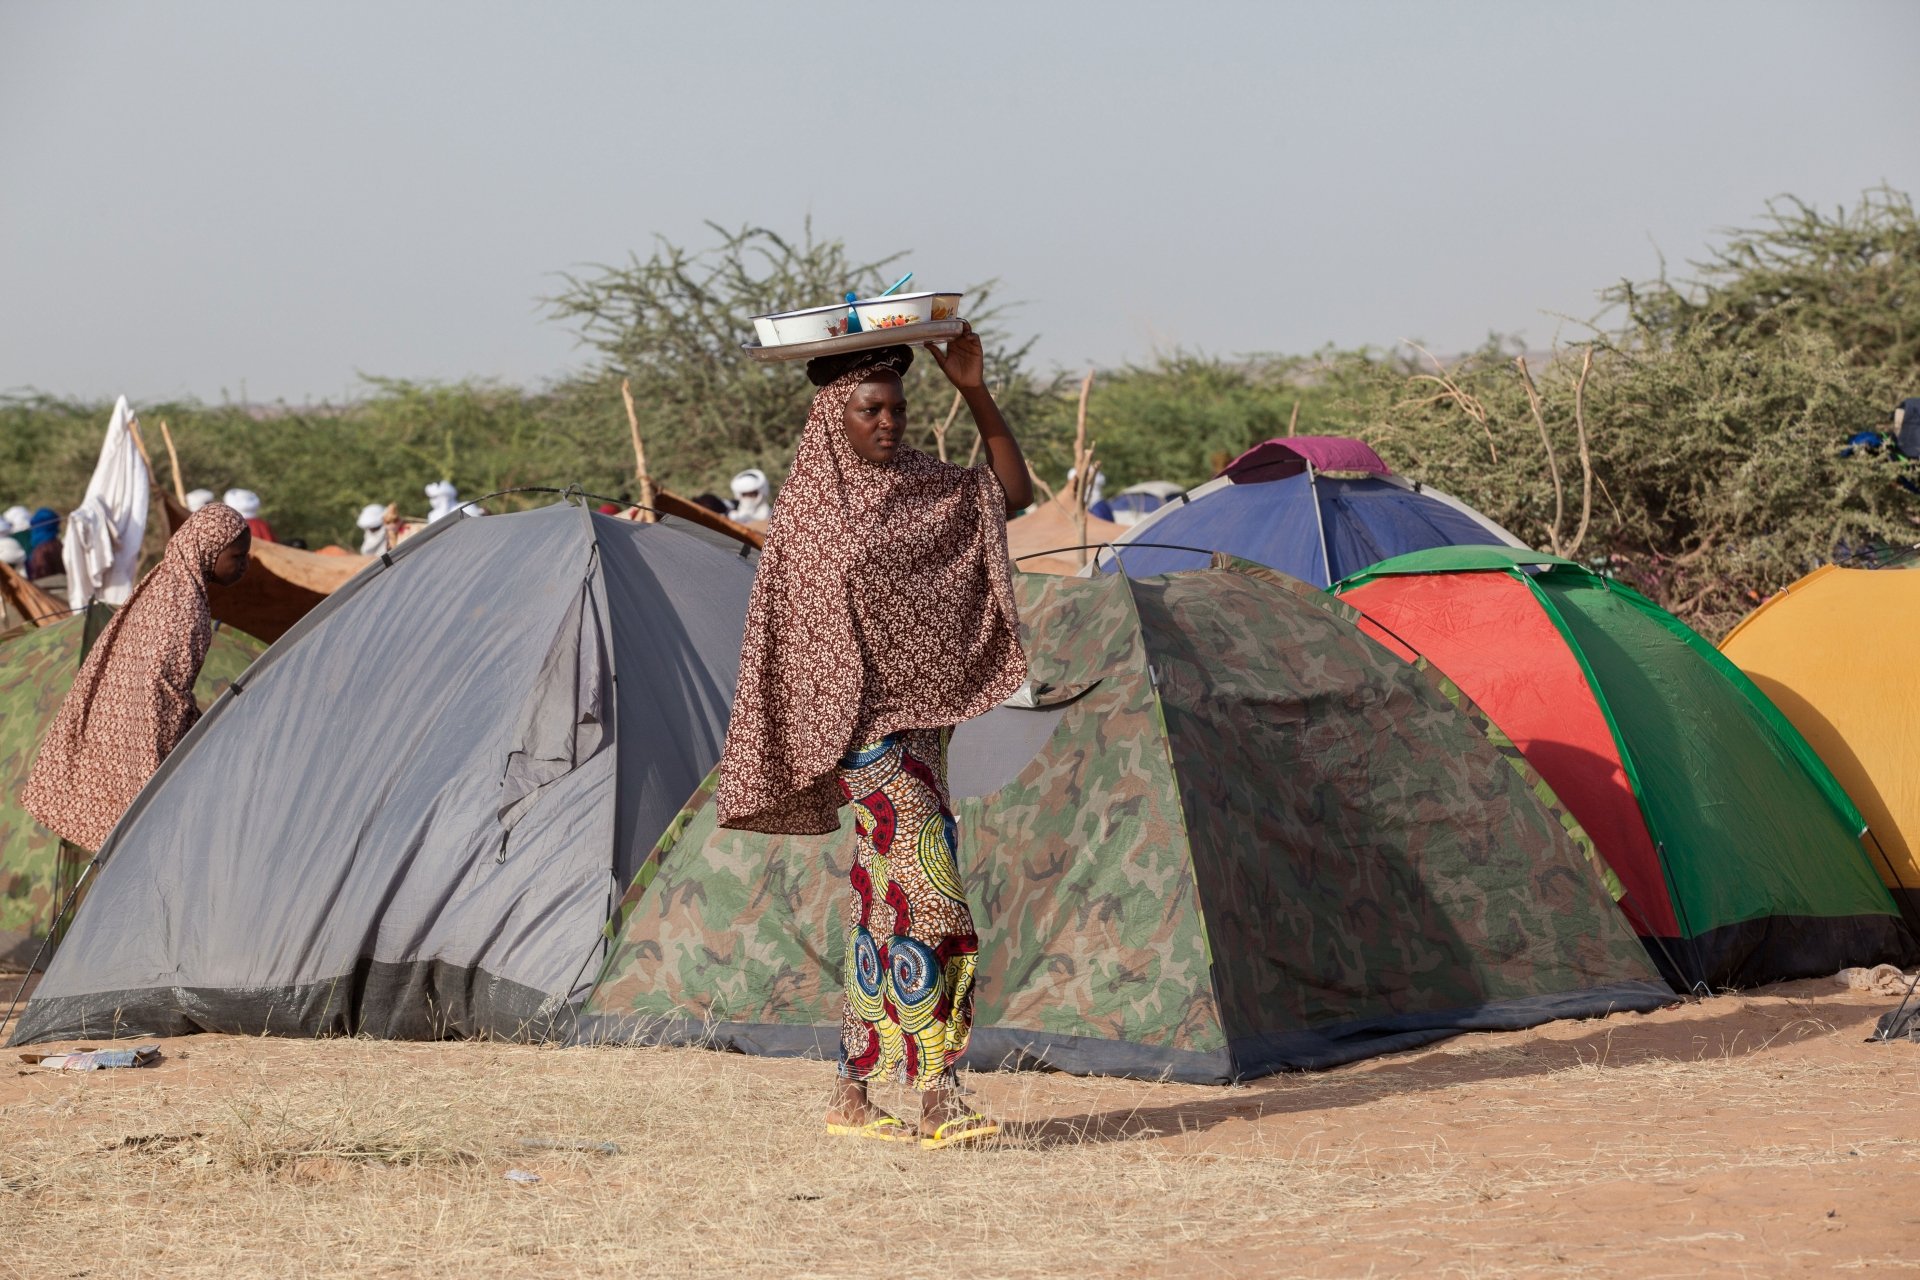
<point x="882" y="602"/>
<point x="133" y="700"/>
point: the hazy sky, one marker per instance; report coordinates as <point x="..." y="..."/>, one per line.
<point x="265" y="200"/>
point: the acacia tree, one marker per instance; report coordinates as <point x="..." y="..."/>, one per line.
<point x="1711" y="424"/>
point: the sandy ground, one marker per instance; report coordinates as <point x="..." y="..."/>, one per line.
<point x="1744" y="1135"/>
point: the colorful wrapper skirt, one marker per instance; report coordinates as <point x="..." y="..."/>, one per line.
<point x="911" y="947"/>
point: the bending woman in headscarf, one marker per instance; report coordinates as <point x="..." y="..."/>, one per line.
<point x="133" y="700"/>
<point x="882" y="615"/>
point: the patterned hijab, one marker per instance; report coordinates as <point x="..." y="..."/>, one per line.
<point x="882" y="602"/>
<point x="133" y="700"/>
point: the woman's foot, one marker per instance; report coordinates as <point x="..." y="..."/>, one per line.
<point x="946" y="1119"/>
<point x="852" y="1108"/>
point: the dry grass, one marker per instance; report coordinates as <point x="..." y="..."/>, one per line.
<point x="1699" y="1140"/>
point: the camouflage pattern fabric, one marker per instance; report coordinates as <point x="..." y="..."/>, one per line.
<point x="731" y="926"/>
<point x="1256" y="822"/>
<point x="1365" y="845"/>
<point x="36" y="670"/>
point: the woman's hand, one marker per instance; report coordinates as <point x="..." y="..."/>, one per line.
<point x="966" y="368"/>
<point x="964" y="362"/>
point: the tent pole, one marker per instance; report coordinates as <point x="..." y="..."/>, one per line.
<point x="1899" y="882"/>
<point x="1319" y="521"/>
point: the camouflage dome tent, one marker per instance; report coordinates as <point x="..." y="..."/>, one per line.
<point x="36" y="670"/>
<point x="1235" y="836"/>
<point x="415" y="814"/>
<point x="1739" y="853"/>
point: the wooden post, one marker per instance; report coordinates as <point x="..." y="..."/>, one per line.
<point x="173" y="459"/>
<point x="639" y="456"/>
<point x="133" y="429"/>
<point x="1082" y="483"/>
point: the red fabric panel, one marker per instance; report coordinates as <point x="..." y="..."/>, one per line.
<point x="1489" y="633"/>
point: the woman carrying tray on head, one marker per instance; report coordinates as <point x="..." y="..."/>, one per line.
<point x="882" y="615"/>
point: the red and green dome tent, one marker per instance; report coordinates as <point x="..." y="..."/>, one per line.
<point x="1738" y="856"/>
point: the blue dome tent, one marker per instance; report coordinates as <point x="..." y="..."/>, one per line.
<point x="1317" y="507"/>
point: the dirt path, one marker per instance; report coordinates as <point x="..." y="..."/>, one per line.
<point x="1751" y="1134"/>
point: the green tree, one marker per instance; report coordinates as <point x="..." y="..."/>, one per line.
<point x="1699" y="449"/>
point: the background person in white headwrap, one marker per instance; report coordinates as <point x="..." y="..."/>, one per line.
<point x="14" y="556"/>
<point x="247" y="503"/>
<point x="443" y="500"/>
<point x="373" y="529"/>
<point x="16" y="525"/>
<point x="752" y="497"/>
<point x="198" y="498"/>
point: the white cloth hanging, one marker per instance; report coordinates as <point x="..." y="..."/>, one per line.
<point x="101" y="548"/>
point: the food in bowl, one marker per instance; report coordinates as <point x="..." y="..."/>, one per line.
<point x="814" y="324"/>
<point x="891" y="313"/>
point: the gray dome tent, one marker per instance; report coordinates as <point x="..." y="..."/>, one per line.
<point x="413" y="816"/>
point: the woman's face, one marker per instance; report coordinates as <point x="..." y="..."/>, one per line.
<point x="876" y="418"/>
<point x="231" y="563"/>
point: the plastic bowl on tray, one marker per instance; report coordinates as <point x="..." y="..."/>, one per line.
<point x="811" y="325"/>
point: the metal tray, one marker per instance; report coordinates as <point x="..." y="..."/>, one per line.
<point x="905" y="335"/>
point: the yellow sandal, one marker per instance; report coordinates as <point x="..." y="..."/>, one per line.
<point x="885" y="1129"/>
<point x="972" y="1127"/>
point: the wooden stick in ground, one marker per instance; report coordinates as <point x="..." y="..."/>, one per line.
<point x="1586" y="454"/>
<point x="133" y="429"/>
<point x="1082" y="483"/>
<point x="173" y="460"/>
<point x="1293" y="419"/>
<point x="639" y="456"/>
<point x="1554" y="543"/>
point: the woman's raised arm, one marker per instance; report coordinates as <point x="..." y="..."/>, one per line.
<point x="964" y="363"/>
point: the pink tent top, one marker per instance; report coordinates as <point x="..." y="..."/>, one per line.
<point x="1290" y="455"/>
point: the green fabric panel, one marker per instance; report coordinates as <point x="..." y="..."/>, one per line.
<point x="1746" y="829"/>
<point x="1455" y="559"/>
<point x="1077" y="871"/>
<point x="1362" y="846"/>
<point x="36" y="670"/>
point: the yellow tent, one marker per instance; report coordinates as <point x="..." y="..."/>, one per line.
<point x="1830" y="652"/>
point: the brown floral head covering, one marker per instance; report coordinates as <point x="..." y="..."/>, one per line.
<point x="133" y="699"/>
<point x="882" y="602"/>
